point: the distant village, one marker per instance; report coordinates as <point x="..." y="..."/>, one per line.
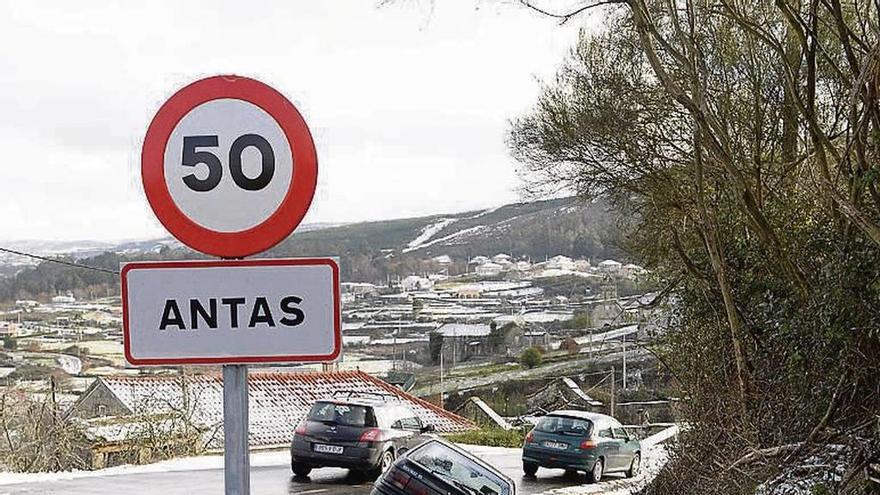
<point x="401" y="331"/>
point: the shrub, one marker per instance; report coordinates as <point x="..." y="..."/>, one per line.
<point x="531" y="357"/>
<point x="491" y="437"/>
<point x="570" y="346"/>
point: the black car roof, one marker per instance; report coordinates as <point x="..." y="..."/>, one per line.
<point x="365" y="402"/>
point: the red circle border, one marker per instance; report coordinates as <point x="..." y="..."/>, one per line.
<point x="293" y="207"/>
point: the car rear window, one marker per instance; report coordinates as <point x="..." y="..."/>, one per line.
<point x="343" y="414"/>
<point x="565" y="425"/>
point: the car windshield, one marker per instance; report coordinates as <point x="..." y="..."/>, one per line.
<point x="565" y="425"/>
<point x="460" y="470"/>
<point x="342" y="414"/>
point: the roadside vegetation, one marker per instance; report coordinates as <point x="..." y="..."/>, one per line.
<point x="491" y="437"/>
<point x="740" y="140"/>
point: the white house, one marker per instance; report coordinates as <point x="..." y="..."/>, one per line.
<point x="582" y="265"/>
<point x="359" y="288"/>
<point x="63" y="300"/>
<point x="478" y="260"/>
<point x="610" y="266"/>
<point x="489" y="269"/>
<point x="560" y="262"/>
<point x="521" y="266"/>
<point x="414" y="283"/>
<point x="8" y="329"/>
<point x="443" y="259"/>
<point x="500" y="257"/>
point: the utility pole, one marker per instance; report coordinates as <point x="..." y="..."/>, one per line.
<point x="624" y="362"/>
<point x="612" y="391"/>
<point x="441" y="376"/>
<point x="454" y="344"/>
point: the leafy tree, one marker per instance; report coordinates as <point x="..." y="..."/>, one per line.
<point x="580" y="320"/>
<point x="742" y="140"/>
<point x="435" y="346"/>
<point x="531" y="357"/>
<point x="417" y="306"/>
<point x="496" y="335"/>
<point x="570" y="346"/>
<point x="10" y="343"/>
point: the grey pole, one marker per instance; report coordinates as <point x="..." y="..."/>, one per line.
<point x="235" y="430"/>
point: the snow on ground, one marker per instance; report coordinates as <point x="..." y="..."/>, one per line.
<point x="655" y="458"/>
<point x="486" y="212"/>
<point x="260" y="459"/>
<point x="600" y="338"/>
<point x="561" y="272"/>
<point x="427" y="233"/>
<point x="470" y="230"/>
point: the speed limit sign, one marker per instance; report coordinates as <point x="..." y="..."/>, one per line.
<point x="229" y="166"/>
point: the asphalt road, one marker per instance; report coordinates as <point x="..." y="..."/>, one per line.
<point x="269" y="480"/>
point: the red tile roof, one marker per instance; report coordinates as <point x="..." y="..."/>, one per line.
<point x="277" y="401"/>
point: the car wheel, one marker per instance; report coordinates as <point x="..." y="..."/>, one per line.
<point x="300" y="469"/>
<point x="385" y="462"/>
<point x="595" y="474"/>
<point x="530" y="468"/>
<point x="634" y="466"/>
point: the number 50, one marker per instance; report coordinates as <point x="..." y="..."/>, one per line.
<point x="193" y="157"/>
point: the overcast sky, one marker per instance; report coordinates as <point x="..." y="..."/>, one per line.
<point x="408" y="103"/>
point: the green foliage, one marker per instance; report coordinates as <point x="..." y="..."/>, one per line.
<point x="10" y="343"/>
<point x="435" y="346"/>
<point x="497" y="334"/>
<point x="492" y="437"/>
<point x="570" y="346"/>
<point x="581" y="320"/>
<point x="769" y="240"/>
<point x="372" y="251"/>
<point x="821" y="489"/>
<point x="531" y="357"/>
<point x="417" y="306"/>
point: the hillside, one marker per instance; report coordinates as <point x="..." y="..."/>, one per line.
<point x="369" y="251"/>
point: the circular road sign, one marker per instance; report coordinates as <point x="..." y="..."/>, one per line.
<point x="229" y="166"/>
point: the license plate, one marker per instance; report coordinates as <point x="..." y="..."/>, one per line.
<point x="556" y="445"/>
<point x="327" y="449"/>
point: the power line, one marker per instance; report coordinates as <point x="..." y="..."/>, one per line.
<point x="60" y="262"/>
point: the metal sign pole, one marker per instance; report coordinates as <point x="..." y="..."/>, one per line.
<point x="235" y="430"/>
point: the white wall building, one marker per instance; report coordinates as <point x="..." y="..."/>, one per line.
<point x="610" y="266"/>
<point x="582" y="265"/>
<point x="489" y="269"/>
<point x="500" y="257"/>
<point x="560" y="262"/>
<point x="415" y="283"/>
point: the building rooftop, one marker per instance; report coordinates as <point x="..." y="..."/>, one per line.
<point x="464" y="330"/>
<point x="277" y="401"/>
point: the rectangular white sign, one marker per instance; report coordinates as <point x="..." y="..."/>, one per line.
<point x="231" y="311"/>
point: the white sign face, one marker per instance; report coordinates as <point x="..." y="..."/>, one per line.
<point x="228" y="165"/>
<point x="222" y="312"/>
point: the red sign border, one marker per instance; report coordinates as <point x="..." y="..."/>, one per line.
<point x="293" y="207"/>
<point x="337" y="318"/>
